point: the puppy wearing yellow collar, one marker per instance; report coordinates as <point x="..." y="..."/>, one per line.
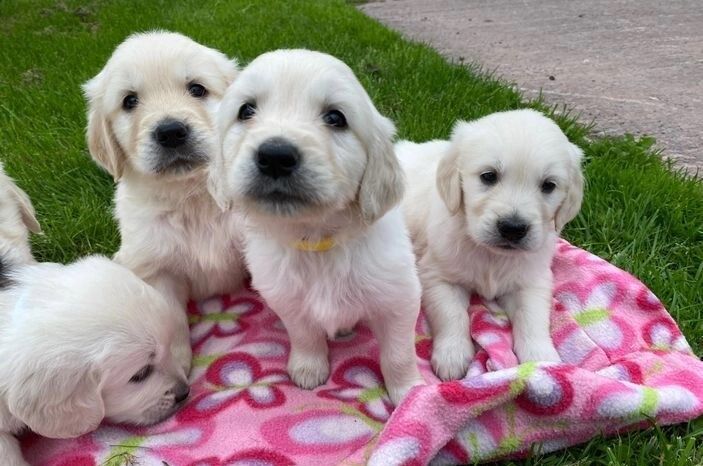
<point x="309" y="161"/>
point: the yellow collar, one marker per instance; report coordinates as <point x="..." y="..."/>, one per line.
<point x="325" y="244"/>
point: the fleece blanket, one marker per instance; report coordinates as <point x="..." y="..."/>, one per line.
<point x="625" y="364"/>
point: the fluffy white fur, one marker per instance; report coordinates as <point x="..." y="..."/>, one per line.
<point x="452" y="216"/>
<point x="72" y="337"/>
<point x="346" y="187"/>
<point x="173" y="234"/>
<point x="16" y="220"/>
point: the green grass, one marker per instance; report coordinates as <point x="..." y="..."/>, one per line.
<point x="638" y="213"/>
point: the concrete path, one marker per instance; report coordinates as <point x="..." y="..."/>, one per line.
<point x="634" y="66"/>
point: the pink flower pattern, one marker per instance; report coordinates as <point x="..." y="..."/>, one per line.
<point x="234" y="377"/>
<point x="221" y="317"/>
<point x="625" y="360"/>
<point x="360" y="381"/>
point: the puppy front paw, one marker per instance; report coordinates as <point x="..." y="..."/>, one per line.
<point x="396" y="394"/>
<point x="540" y="352"/>
<point x="451" y="357"/>
<point x="308" y="371"/>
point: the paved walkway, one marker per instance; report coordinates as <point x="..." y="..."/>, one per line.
<point x="634" y="65"/>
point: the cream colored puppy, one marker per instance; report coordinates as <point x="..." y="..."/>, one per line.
<point x="485" y="210"/>
<point x="151" y="125"/>
<point x="310" y="161"/>
<point x="80" y="343"/>
<point x="16" y="221"/>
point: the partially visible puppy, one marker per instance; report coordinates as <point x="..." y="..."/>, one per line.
<point x="151" y="125"/>
<point x="16" y="221"/>
<point x="80" y="343"/>
<point x="485" y="210"/>
<point x="310" y="161"/>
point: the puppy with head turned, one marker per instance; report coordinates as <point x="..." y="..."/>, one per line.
<point x="80" y="343"/>
<point x="309" y="161"/>
<point x="485" y="210"/>
<point x="151" y="125"/>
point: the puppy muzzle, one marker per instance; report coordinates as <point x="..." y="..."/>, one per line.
<point x="180" y="393"/>
<point x="277" y="158"/>
<point x="279" y="181"/>
<point x="176" y="146"/>
<point x="512" y="233"/>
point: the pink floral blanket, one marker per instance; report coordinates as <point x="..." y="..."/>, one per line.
<point x="625" y="363"/>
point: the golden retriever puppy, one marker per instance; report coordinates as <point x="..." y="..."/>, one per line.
<point x="151" y="125"/>
<point x="80" y="343"/>
<point x="17" y="219"/>
<point x="309" y="160"/>
<point x="485" y="210"/>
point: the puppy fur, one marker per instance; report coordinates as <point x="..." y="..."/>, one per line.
<point x="342" y="182"/>
<point x="17" y="219"/>
<point x="510" y="168"/>
<point x="72" y="338"/>
<point x="173" y="234"/>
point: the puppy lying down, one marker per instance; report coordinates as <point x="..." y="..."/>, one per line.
<point x="485" y="210"/>
<point x="309" y="161"/>
<point x="80" y="343"/>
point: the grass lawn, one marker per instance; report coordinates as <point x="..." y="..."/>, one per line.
<point x="637" y="214"/>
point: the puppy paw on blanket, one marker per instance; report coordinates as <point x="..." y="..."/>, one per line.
<point x="625" y="363"/>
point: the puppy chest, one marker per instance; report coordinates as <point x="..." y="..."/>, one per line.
<point x="491" y="279"/>
<point x="200" y="245"/>
<point x="332" y="298"/>
<point x="214" y="248"/>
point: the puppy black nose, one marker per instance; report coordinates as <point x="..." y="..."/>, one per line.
<point x="180" y="392"/>
<point x="277" y="157"/>
<point x="171" y="133"/>
<point x="513" y="228"/>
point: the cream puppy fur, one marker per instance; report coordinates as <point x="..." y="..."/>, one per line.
<point x="310" y="161"/>
<point x="151" y="125"/>
<point x="17" y="219"/>
<point x="485" y="210"/>
<point x="80" y="343"/>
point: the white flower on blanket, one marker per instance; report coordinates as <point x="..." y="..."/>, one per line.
<point x="220" y="316"/>
<point x="318" y="431"/>
<point x="121" y="446"/>
<point x="662" y="334"/>
<point x="593" y="308"/>
<point x="235" y="377"/>
<point x="629" y="402"/>
<point x="360" y="381"/>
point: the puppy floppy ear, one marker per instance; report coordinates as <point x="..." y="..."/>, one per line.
<point x="383" y="182"/>
<point x="449" y="180"/>
<point x="56" y="398"/>
<point x="102" y="144"/>
<point x="229" y="69"/>
<point x="216" y="183"/>
<point x="26" y="209"/>
<point x="574" y="191"/>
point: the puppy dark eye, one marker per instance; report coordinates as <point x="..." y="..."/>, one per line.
<point x="489" y="178"/>
<point x="197" y="90"/>
<point x="246" y="111"/>
<point x="130" y="101"/>
<point x="143" y="374"/>
<point x="548" y="187"/>
<point x="335" y="118"/>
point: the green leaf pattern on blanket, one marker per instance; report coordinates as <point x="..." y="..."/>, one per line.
<point x="524" y="371"/>
<point x="124" y="453"/>
<point x="626" y="361"/>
